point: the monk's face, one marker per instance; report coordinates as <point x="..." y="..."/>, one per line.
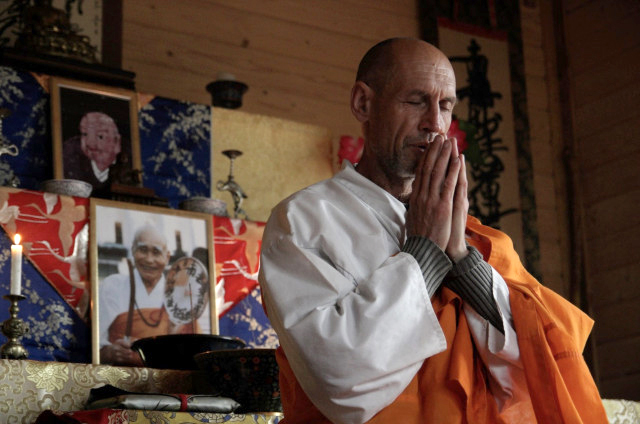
<point x="99" y="139"/>
<point x="150" y="256"/>
<point x="415" y="104"/>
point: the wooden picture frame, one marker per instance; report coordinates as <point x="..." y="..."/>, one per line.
<point x="126" y="246"/>
<point x="108" y="117"/>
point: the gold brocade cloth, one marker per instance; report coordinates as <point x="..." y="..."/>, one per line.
<point x="27" y="388"/>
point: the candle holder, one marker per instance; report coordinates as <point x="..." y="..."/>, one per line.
<point x="14" y="328"/>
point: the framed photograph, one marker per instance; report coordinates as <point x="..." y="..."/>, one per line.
<point x="152" y="273"/>
<point x="95" y="132"/>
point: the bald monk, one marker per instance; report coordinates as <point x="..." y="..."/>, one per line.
<point x="391" y="304"/>
<point x="122" y="321"/>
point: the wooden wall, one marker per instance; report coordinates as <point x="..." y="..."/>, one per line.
<point x="603" y="51"/>
<point x="299" y="59"/>
<point x="546" y="144"/>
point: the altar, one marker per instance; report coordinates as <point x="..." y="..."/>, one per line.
<point x="177" y="154"/>
<point x="180" y="145"/>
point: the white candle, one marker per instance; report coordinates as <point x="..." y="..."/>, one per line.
<point x="16" y="266"/>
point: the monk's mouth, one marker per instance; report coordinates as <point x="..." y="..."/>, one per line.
<point x="148" y="269"/>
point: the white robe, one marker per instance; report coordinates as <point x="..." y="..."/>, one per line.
<point x="351" y="310"/>
<point x="114" y="294"/>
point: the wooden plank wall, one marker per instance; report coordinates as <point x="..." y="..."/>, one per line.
<point x="298" y="57"/>
<point x="546" y="143"/>
<point x="603" y="49"/>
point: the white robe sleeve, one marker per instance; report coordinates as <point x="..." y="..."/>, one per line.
<point x="386" y="324"/>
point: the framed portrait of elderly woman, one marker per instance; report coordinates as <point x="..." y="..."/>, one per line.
<point x="152" y="274"/>
<point x="95" y="133"/>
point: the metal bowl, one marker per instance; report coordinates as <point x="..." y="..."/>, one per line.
<point x="205" y="204"/>
<point x="249" y="376"/>
<point x="176" y="351"/>
<point x="67" y="187"/>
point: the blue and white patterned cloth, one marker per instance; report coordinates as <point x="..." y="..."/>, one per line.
<point x="27" y="127"/>
<point x="175" y="146"/>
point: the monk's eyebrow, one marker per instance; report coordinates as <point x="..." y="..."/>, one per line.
<point x="453" y="100"/>
<point x="419" y="93"/>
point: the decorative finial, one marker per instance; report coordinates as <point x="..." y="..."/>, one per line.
<point x="232" y="187"/>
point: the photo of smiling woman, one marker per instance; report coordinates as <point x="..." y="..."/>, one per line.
<point x="151" y="271"/>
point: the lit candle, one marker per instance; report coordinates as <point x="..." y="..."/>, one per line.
<point x="16" y="266"/>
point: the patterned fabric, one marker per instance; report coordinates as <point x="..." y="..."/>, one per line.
<point x="30" y="387"/>
<point x="175" y="146"/>
<point x="56" y="331"/>
<point x="48" y="225"/>
<point x="621" y="411"/>
<point x="237" y="245"/>
<point x="114" y="416"/>
<point x="54" y="231"/>
<point x="248" y="321"/>
<point x="27" y="128"/>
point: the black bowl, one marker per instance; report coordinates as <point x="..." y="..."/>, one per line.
<point x="175" y="351"/>
<point x="249" y="376"/>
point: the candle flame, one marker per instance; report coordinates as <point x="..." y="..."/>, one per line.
<point x="17" y="238"/>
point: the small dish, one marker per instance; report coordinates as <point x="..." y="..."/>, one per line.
<point x="67" y="187"/>
<point x="205" y="204"/>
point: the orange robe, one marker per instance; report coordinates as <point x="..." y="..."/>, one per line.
<point x="140" y="329"/>
<point x="451" y="386"/>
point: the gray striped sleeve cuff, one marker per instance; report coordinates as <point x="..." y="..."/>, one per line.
<point x="433" y="262"/>
<point x="472" y="279"/>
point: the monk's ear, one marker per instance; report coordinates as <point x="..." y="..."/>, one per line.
<point x="361" y="96"/>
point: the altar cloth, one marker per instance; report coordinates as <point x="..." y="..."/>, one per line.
<point x="29" y="388"/>
<point x="115" y="416"/>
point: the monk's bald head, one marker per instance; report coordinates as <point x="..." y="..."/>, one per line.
<point x="379" y="64"/>
<point x="403" y="96"/>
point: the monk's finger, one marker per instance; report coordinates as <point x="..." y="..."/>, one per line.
<point x="440" y="170"/>
<point x="431" y="157"/>
<point x="449" y="186"/>
<point x="418" y="182"/>
<point x="462" y="179"/>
